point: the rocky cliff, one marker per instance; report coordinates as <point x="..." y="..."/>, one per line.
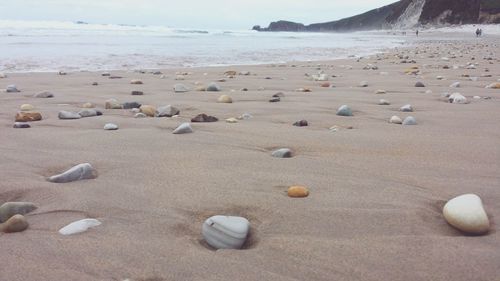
<point x="405" y="14"/>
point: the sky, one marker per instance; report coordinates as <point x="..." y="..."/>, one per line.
<point x="214" y="14"/>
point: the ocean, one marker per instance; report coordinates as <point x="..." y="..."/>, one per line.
<point x="46" y="46"/>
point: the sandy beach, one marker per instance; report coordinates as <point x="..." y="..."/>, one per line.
<point x="376" y="189"/>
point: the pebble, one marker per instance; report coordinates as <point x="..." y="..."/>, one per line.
<point x="419" y="84"/>
<point x="466" y="213"/>
<point x="224" y="99"/>
<point x="180" y="88"/>
<point x="79" y="226"/>
<point x="184" y="128"/>
<point x="395" y="120"/>
<point x="12" y="89"/>
<point x="106" y="74"/>
<point x="298" y="191"/>
<point x="439" y="77"/>
<point x="304" y="90"/>
<point x="410" y="120"/>
<point x="148" y="110"/>
<point x="245" y="116"/>
<point x="27" y="107"/>
<point x="383" y="102"/>
<point x="200" y="89"/>
<point x="130" y="105"/>
<point x="275" y="100"/>
<point x="95" y="84"/>
<point x="44" y="95"/>
<point x="79" y="172"/>
<point x="301" y="123"/>
<point x="363" y="84"/>
<point x="457" y="98"/>
<point x="493" y="86"/>
<point x="140" y="115"/>
<point x="110" y="127"/>
<point x="9" y="209"/>
<point x="66" y="115"/>
<point x="406" y="108"/>
<point x="225" y="232"/>
<point x="167" y="111"/>
<point x="21" y="125"/>
<point x="88" y="105"/>
<point x="344" y="110"/>
<point x="137" y="93"/>
<point x="282" y="153"/>
<point x="213" y="87"/>
<point x="381" y="92"/>
<point x="204" y="118"/>
<point x="136" y="82"/>
<point x="112" y="104"/>
<point x="279" y="95"/>
<point x="16" y="223"/>
<point x="231" y="120"/>
<point x="89" y="112"/>
<point x="455" y="85"/>
<point x="28" y="116"/>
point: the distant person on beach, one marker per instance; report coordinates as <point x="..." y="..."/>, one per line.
<point x="416" y="32"/>
<point x="478" y="32"/>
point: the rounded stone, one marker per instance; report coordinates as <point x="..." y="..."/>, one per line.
<point x="66" y="115"/>
<point x="225" y="232"/>
<point x="12" y="89"/>
<point x="180" y="88"/>
<point x="275" y="100"/>
<point x="79" y="226"/>
<point x="137" y="93"/>
<point x="457" y="98"/>
<point x="282" y="153"/>
<point x="88" y="105"/>
<point x="44" y="95"/>
<point x="455" y="85"/>
<point x="140" y="115"/>
<point x="224" y="99"/>
<point x="130" y="105"/>
<point x="149" y="110"/>
<point x="213" y="87"/>
<point x="28" y="116"/>
<point x="466" y="213"/>
<point x="419" y="84"/>
<point x="110" y="127"/>
<point x="135" y="82"/>
<point x="383" y="102"/>
<point x="9" y="209"/>
<point x="298" y="191"/>
<point x="16" y="223"/>
<point x="21" y="125"/>
<point x="301" y="123"/>
<point x="395" y="120"/>
<point x="204" y="118"/>
<point x="344" y="110"/>
<point x="89" y="112"/>
<point x="406" y="108"/>
<point x="112" y="104"/>
<point x="381" y="92"/>
<point x="27" y="107"/>
<point x="184" y="128"/>
<point x="167" y="111"/>
<point x="410" y="120"/>
<point x="231" y="120"/>
<point x="79" y="172"/>
<point x="363" y="84"/>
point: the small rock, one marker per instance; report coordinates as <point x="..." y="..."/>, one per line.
<point x="180" y="88"/>
<point x="325" y="85"/>
<point x="16" y="223"/>
<point x="136" y="82"/>
<point x="28" y="116"/>
<point x="439" y="77"/>
<point x="282" y="153"/>
<point x="344" y="110"/>
<point x="455" y="85"/>
<point x="298" y="191"/>
<point x="89" y="112"/>
<point x="88" y="105"/>
<point x="457" y="98"/>
<point x="304" y="90"/>
<point x="274" y="100"/>
<point x="363" y="84"/>
<point x="383" y="102"/>
<point x="410" y="120"/>
<point x="12" y="89"/>
<point x="167" y="111"/>
<point x="79" y="172"/>
<point x="406" y="108"/>
<point x="225" y="232"/>
<point x="419" y="84"/>
<point x="395" y="120"/>
<point x="9" y="209"/>
<point x="213" y="87"/>
<point x="140" y="115"/>
<point x="112" y="104"/>
<point x="95" y="84"/>
<point x="279" y="95"/>
<point x="66" y="115"/>
<point x="130" y="105"/>
<point x="466" y="213"/>
<point x="105" y="74"/>
<point x="21" y="125"/>
<point x="27" y="107"/>
<point x="110" y="127"/>
<point x="230" y="73"/>
<point x="137" y="93"/>
<point x="115" y="77"/>
<point x="79" y="226"/>
<point x="204" y="118"/>
<point x="44" y="95"/>
<point x="493" y="86"/>
<point x="184" y="128"/>
<point x="149" y="110"/>
<point x="301" y="123"/>
<point x="380" y="92"/>
<point x="224" y="99"/>
<point x="245" y="116"/>
<point x="231" y="120"/>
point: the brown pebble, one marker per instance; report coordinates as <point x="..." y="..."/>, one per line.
<point x="298" y="191"/>
<point x="16" y="223"/>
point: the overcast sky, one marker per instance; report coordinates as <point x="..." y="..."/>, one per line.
<point x="224" y="14"/>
